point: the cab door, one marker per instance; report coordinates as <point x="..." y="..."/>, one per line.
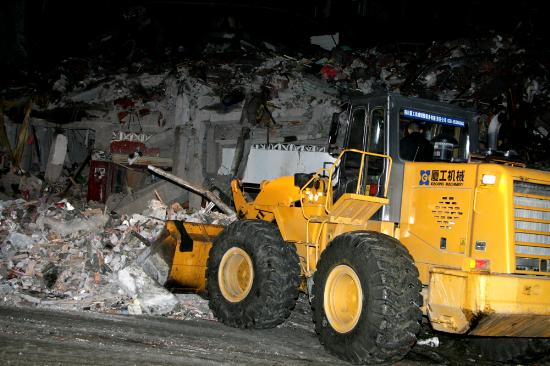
<point x="351" y="162"/>
<point x="366" y="131"/>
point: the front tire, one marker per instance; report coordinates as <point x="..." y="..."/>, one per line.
<point x="366" y="298"/>
<point x="252" y="275"/>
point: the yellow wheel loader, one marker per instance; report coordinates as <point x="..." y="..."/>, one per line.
<point x="382" y="236"/>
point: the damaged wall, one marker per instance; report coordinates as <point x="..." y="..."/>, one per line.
<point x="184" y="123"/>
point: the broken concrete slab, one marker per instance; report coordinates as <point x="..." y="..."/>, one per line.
<point x="153" y="298"/>
<point x="154" y="265"/>
<point x="58" y="152"/>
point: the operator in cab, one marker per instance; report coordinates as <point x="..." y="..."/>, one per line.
<point x="414" y="146"/>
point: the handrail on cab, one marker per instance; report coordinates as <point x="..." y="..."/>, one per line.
<point x="330" y="172"/>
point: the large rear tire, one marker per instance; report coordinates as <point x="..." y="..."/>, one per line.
<point x="252" y="275"/>
<point x="366" y="298"/>
<point x="511" y="349"/>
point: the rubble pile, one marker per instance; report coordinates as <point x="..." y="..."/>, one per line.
<point x="72" y="256"/>
<point x="493" y="74"/>
<point x="261" y="83"/>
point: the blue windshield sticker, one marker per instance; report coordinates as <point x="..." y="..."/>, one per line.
<point x="435" y="118"/>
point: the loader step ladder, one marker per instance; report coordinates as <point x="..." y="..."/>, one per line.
<point x="352" y="209"/>
<point x="355" y="209"/>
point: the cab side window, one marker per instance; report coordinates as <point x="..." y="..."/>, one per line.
<point x="374" y="182"/>
<point x="356" y="138"/>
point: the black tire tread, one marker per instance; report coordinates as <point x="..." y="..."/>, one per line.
<point x="277" y="276"/>
<point x="394" y="319"/>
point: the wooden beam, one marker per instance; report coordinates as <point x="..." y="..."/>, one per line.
<point x="195" y="188"/>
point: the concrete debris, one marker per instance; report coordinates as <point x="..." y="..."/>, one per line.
<point x="66" y="228"/>
<point x="20" y="241"/>
<point x="193" y="307"/>
<point x="156" y="209"/>
<point x="151" y="297"/>
<point x="23" y="185"/>
<point x="154" y="265"/>
<point x="430" y="342"/>
<point x="327" y="42"/>
<point x="84" y="259"/>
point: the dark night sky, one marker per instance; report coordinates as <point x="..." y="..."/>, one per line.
<point x="57" y="29"/>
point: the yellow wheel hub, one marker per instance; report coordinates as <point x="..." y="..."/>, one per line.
<point x="343" y="298"/>
<point x="235" y="275"/>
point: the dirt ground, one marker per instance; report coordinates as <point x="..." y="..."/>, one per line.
<point x="44" y="337"/>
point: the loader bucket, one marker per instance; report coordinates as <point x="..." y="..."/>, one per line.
<point x="178" y="257"/>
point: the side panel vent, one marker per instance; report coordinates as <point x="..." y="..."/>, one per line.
<point x="446" y="212"/>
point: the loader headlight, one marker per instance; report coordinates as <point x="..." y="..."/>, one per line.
<point x="313" y="197"/>
<point x="488" y="179"/>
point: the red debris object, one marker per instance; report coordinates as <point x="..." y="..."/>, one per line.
<point x="121" y="115"/>
<point x="129" y="147"/>
<point x="329" y="72"/>
<point x="143" y="112"/>
<point x="101" y="180"/>
<point x="59" y="204"/>
<point x="13" y="273"/>
<point x="125" y="103"/>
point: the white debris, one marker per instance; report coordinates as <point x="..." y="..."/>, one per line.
<point x="269" y="46"/>
<point x="61" y="84"/>
<point x="65" y="204"/>
<point x="153" y="299"/>
<point x="154" y="265"/>
<point x="430" y="342"/>
<point x="65" y="228"/>
<point x="134" y="308"/>
<point x="430" y="79"/>
<point x="157" y="209"/>
<point x="20" y="241"/>
<point x="327" y="42"/>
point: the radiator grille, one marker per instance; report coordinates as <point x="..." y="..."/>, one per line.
<point x="532" y="227"/>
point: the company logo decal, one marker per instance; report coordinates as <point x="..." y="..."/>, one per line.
<point x="424" y="178"/>
<point x="442" y="178"/>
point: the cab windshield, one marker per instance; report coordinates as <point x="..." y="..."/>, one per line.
<point x="426" y="136"/>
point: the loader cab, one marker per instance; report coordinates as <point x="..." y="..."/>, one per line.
<point x="378" y="123"/>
